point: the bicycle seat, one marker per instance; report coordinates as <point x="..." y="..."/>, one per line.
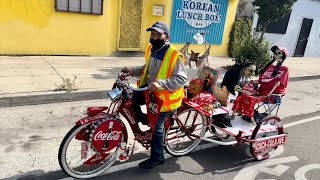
<point x="91" y="111"/>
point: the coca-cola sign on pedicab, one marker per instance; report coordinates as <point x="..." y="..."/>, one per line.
<point x="107" y="135"/>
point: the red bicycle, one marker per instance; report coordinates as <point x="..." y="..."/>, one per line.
<point x="108" y="134"/>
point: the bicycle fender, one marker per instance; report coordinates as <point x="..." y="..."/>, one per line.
<point x="90" y="119"/>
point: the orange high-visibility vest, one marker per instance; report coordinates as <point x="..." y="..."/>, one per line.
<point x="171" y="99"/>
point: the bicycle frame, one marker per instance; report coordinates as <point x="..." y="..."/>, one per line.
<point x="123" y="106"/>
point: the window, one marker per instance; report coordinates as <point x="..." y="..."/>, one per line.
<point x="80" y="6"/>
<point x="278" y="27"/>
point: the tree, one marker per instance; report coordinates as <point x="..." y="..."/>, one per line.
<point x="241" y="5"/>
<point x="241" y="30"/>
<point x="270" y="11"/>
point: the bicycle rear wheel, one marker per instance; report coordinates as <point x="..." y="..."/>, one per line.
<point x="184" y="136"/>
<point x="270" y="121"/>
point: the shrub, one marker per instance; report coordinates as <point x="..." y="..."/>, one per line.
<point x="241" y="31"/>
<point x="245" y="47"/>
<point x="253" y="51"/>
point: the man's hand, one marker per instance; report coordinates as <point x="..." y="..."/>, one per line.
<point x="237" y="88"/>
<point x="277" y="83"/>
<point x="155" y="86"/>
<point x="127" y="71"/>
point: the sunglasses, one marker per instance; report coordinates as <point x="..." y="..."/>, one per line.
<point x="250" y="70"/>
<point x="278" y="53"/>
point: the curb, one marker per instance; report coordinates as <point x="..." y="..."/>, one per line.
<point x="22" y="99"/>
<point x="50" y="97"/>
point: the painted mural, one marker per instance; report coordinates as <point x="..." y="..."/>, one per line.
<point x="198" y="21"/>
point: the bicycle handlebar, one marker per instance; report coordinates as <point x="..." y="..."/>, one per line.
<point x="136" y="89"/>
<point x="122" y="77"/>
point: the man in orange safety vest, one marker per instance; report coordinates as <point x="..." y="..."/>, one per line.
<point x="165" y="74"/>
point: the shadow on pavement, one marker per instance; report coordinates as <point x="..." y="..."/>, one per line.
<point x="215" y="160"/>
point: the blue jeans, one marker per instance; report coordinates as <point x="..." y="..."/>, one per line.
<point x="157" y="143"/>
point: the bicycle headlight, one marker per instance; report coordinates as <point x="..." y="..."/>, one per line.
<point x="114" y="93"/>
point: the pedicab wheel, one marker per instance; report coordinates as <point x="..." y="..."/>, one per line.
<point x="184" y="136"/>
<point x="72" y="158"/>
<point x="267" y="122"/>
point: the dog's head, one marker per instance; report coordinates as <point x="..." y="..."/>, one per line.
<point x="194" y="56"/>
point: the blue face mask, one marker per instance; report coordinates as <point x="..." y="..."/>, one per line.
<point x="157" y="44"/>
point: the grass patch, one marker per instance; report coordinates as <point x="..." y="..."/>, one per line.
<point x="67" y="84"/>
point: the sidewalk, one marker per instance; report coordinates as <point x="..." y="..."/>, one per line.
<point x="32" y="79"/>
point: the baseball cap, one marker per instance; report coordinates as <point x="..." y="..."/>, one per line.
<point x="159" y="26"/>
<point x="198" y="81"/>
<point x="274" y="48"/>
<point x="286" y="52"/>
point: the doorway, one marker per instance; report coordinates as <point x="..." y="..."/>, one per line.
<point x="129" y="32"/>
<point x="303" y="37"/>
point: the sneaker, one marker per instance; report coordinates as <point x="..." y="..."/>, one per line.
<point x="232" y="116"/>
<point x="227" y="120"/>
<point x="246" y="118"/>
<point x="148" y="164"/>
<point x="218" y="120"/>
<point x="227" y="123"/>
<point x="143" y="162"/>
<point x="253" y="121"/>
<point x="123" y="157"/>
<point x="123" y="152"/>
<point x="249" y="119"/>
<point x="220" y="124"/>
<point x="259" y="116"/>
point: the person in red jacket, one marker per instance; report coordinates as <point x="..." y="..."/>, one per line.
<point x="274" y="73"/>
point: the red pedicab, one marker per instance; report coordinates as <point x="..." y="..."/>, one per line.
<point x="263" y="138"/>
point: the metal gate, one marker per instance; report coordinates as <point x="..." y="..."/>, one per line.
<point x="303" y="37"/>
<point x="129" y="38"/>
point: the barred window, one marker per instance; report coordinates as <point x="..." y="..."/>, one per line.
<point x="278" y="27"/>
<point x="80" y="6"/>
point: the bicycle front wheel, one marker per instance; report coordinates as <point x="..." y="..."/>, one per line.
<point x="77" y="156"/>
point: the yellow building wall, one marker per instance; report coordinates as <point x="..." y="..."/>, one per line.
<point x="216" y="50"/>
<point x="35" y="27"/>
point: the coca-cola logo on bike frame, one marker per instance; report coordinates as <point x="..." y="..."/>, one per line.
<point x="114" y="135"/>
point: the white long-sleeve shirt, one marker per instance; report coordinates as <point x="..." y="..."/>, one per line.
<point x="178" y="78"/>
